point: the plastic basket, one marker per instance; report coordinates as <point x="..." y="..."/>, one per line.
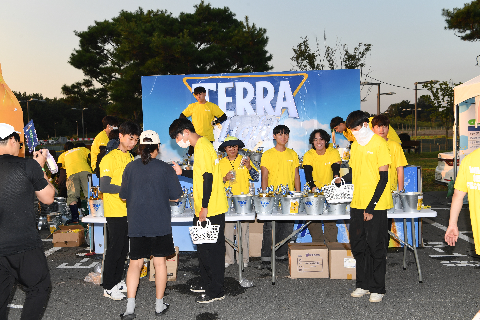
<point x="342" y="194"/>
<point x="207" y="234"/>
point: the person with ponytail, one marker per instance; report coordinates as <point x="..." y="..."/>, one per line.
<point x="148" y="186"/>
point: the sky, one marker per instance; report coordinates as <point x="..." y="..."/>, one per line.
<point x="409" y="42"/>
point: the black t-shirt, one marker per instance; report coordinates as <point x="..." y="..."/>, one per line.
<point x="19" y="179"/>
<point x="148" y="189"/>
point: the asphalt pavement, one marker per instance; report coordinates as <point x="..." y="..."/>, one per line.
<point x="449" y="289"/>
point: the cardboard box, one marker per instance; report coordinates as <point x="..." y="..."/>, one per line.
<point x="341" y="261"/>
<point x="172" y="265"/>
<point x="308" y="260"/>
<point x="69" y="236"/>
<point x="255" y="227"/>
<point x="255" y="244"/>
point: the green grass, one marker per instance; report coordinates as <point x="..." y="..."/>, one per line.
<point x="428" y="161"/>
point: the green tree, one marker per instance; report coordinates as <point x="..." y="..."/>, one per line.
<point x="336" y="57"/>
<point x="116" y="53"/>
<point x="441" y="101"/>
<point x="464" y="21"/>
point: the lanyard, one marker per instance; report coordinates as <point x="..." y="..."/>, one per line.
<point x="231" y="163"/>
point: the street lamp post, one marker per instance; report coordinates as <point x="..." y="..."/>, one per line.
<point x="83" y="128"/>
<point x="420" y="82"/>
<point x="378" y="94"/>
<point x="77" y="128"/>
<point x="28" y="111"/>
<point x="378" y="99"/>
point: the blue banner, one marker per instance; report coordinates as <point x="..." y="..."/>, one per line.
<point x="30" y="136"/>
<point x="254" y="104"/>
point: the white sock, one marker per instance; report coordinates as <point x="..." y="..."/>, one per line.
<point x="130" y="306"/>
<point x="159" y="306"/>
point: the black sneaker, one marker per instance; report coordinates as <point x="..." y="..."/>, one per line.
<point x="130" y="316"/>
<point x="197" y="288"/>
<point x="163" y="311"/>
<point x="204" y="298"/>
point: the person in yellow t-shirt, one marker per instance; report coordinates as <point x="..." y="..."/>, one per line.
<point x="467" y="182"/>
<point x="339" y="126"/>
<point x="203" y="114"/>
<point x="321" y="164"/>
<point x="115" y="209"/>
<point x="210" y="201"/>
<point x="61" y="179"/>
<point x="369" y="159"/>
<point x="279" y="165"/>
<point x="238" y="178"/>
<point x="381" y="126"/>
<point x="109" y="123"/>
<point x="75" y="162"/>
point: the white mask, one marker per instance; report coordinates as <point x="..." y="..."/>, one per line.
<point x="183" y="144"/>
<point x="363" y="135"/>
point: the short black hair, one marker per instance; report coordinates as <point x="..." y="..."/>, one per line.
<point x="323" y="134"/>
<point x="178" y="125"/>
<point x="356" y="118"/>
<point x="15" y="135"/>
<point x="109" y="120"/>
<point x="380" y="120"/>
<point x="198" y="90"/>
<point x="335" y="122"/>
<point x="281" y="128"/>
<point x="80" y="145"/>
<point x="113" y="134"/>
<point x="68" y="145"/>
<point x="129" y="127"/>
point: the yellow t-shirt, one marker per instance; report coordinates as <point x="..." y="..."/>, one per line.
<point x="100" y="140"/>
<point x="206" y="161"/>
<point x="281" y="167"/>
<point x="112" y="165"/>
<point x="468" y="180"/>
<point x="365" y="161"/>
<point x="202" y="117"/>
<point x="398" y="160"/>
<point x="391" y="136"/>
<point x="322" y="165"/>
<point x="75" y="160"/>
<point x="242" y="176"/>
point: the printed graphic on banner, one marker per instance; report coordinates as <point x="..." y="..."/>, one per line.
<point x="254" y="104"/>
<point x="31" y="139"/>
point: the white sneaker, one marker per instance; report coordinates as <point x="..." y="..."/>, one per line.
<point x="376" y="297"/>
<point x="122" y="286"/>
<point x="113" y="294"/>
<point x="359" y="292"/>
<point x="227" y="264"/>
<point x="245" y="264"/>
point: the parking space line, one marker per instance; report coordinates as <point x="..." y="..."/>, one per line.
<point x="441" y="227"/>
<point x="52" y="250"/>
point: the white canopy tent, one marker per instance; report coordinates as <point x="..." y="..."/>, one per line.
<point x="463" y="92"/>
<point x="467" y="90"/>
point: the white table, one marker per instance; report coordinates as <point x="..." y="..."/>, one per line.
<point x="398" y="214"/>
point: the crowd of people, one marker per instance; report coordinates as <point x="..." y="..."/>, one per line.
<point x="137" y="190"/>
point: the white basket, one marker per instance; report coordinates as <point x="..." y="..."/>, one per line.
<point x="342" y="194"/>
<point x="207" y="234"/>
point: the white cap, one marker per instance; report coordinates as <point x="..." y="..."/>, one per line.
<point x="149" y="134"/>
<point x="6" y="130"/>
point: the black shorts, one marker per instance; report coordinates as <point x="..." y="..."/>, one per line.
<point x="144" y="247"/>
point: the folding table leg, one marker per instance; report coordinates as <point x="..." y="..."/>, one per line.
<point x="415" y="251"/>
<point x="405" y="238"/>
<point x="240" y="250"/>
<point x="273" y="252"/>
